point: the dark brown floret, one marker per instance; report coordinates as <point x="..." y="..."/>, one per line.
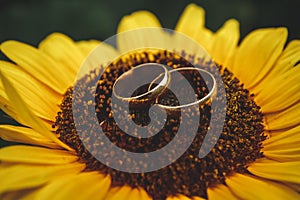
<point x="238" y="146"/>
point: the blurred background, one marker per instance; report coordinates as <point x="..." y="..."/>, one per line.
<point x="32" y="20"/>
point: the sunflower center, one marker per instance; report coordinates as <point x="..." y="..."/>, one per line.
<point x="238" y="146"/>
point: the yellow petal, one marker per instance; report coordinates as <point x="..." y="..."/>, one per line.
<point x="5" y="106"/>
<point x="291" y="154"/>
<point x="144" y="195"/>
<point x="248" y="187"/>
<point x="286" y="138"/>
<point x="225" y="43"/>
<point x="23" y="110"/>
<point x="134" y="194"/>
<point x="87" y="46"/>
<point x="87" y="185"/>
<point x="278" y="171"/>
<point x="63" y="49"/>
<point x="258" y="53"/>
<point x="283" y="119"/>
<point x="18" y="177"/>
<point x="197" y="198"/>
<point x="221" y="192"/>
<point x="139" y="19"/>
<point x="191" y="23"/>
<point x="178" y="197"/>
<point x="35" y="155"/>
<point x="281" y="92"/>
<point x="287" y="61"/>
<point x="38" y="65"/>
<point x="118" y="193"/>
<point x="284" y="146"/>
<point x="183" y="197"/>
<point x="148" y="34"/>
<point x="32" y="91"/>
<point x="25" y="135"/>
<point x="191" y="20"/>
<point x="98" y="58"/>
<point x="289" y="57"/>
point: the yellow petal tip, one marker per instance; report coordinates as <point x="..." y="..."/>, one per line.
<point x="232" y="22"/>
<point x="138" y="19"/>
<point x="194" y="7"/>
<point x="8" y="44"/>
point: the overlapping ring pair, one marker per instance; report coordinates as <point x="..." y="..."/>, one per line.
<point x="161" y="76"/>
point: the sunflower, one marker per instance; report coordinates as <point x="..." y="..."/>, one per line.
<point x="256" y="157"/>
